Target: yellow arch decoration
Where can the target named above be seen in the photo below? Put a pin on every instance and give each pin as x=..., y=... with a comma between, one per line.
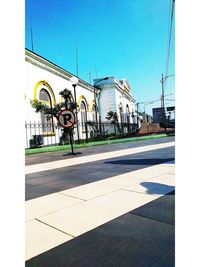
x=48, y=86
x=82, y=98
x=92, y=102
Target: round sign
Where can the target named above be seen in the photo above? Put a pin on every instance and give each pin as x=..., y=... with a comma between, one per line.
x=66, y=118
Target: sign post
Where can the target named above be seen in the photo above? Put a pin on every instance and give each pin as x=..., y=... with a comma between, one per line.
x=67, y=119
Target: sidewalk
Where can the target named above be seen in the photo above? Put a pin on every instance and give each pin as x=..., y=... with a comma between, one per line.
x=141, y=237
x=74, y=215
x=58, y=155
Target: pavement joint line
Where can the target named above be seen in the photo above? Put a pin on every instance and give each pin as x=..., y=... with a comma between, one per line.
x=71, y=196
x=91, y=158
x=162, y=257
x=145, y=192
x=54, y=228
x=146, y=217
x=120, y=188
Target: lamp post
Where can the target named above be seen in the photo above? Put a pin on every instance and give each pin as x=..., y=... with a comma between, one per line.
x=74, y=81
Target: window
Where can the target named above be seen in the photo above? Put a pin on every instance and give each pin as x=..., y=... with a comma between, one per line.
x=93, y=113
x=47, y=122
x=127, y=114
x=83, y=115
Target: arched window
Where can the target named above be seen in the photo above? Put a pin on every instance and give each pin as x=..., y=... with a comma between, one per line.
x=93, y=113
x=127, y=114
x=47, y=121
x=83, y=114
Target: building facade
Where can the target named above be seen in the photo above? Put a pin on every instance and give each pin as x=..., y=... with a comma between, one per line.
x=44, y=81
x=115, y=95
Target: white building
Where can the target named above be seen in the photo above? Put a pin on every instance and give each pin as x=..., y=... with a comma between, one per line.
x=115, y=95
x=44, y=81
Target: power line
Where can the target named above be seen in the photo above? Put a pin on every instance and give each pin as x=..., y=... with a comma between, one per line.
x=169, y=37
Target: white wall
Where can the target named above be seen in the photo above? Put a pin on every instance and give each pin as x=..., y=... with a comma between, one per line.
x=43, y=72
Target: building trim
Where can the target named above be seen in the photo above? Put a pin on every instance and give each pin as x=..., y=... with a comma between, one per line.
x=49, y=88
x=36, y=59
x=82, y=98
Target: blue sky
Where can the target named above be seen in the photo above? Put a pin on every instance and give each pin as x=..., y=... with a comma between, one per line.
x=125, y=39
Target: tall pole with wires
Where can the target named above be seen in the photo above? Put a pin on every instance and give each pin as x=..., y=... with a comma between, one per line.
x=164, y=78
x=31, y=34
x=76, y=60
x=171, y=17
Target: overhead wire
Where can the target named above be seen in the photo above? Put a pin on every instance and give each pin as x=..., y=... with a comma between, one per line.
x=171, y=16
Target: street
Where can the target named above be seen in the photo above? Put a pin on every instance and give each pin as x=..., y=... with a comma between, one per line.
x=111, y=205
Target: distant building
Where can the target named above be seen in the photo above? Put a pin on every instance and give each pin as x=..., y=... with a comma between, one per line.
x=158, y=115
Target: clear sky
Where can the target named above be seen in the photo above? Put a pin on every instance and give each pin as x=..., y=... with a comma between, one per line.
x=125, y=39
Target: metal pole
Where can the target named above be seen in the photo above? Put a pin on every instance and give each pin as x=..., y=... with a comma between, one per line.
x=74, y=85
x=163, y=103
x=95, y=102
x=137, y=116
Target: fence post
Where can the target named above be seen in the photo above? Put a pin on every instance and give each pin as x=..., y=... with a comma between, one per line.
x=115, y=129
x=26, y=135
x=104, y=134
x=86, y=131
x=100, y=128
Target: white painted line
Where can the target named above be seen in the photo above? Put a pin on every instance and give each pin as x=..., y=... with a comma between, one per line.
x=91, y=158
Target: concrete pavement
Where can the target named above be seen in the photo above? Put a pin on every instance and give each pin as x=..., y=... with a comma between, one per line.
x=65, y=215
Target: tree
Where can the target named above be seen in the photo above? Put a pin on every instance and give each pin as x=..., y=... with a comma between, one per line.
x=68, y=103
x=113, y=117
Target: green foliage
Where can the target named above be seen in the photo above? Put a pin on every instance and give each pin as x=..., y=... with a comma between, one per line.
x=68, y=103
x=112, y=116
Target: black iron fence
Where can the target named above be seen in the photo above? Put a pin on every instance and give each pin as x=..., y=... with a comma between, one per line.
x=46, y=134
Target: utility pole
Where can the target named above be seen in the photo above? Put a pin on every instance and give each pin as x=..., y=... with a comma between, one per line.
x=31, y=34
x=163, y=103
x=76, y=60
x=137, y=115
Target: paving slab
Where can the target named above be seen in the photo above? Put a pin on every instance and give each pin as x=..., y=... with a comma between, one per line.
x=162, y=209
x=48, y=204
x=129, y=240
x=88, y=215
x=36, y=233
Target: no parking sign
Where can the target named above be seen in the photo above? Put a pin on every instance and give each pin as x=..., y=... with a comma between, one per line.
x=66, y=118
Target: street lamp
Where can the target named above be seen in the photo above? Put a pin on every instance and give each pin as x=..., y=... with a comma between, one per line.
x=74, y=81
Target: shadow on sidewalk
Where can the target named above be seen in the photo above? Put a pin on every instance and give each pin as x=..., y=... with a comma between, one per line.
x=157, y=188
x=141, y=161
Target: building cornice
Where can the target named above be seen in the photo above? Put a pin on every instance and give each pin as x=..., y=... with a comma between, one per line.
x=47, y=65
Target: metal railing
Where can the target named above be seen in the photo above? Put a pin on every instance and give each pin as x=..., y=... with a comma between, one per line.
x=41, y=134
